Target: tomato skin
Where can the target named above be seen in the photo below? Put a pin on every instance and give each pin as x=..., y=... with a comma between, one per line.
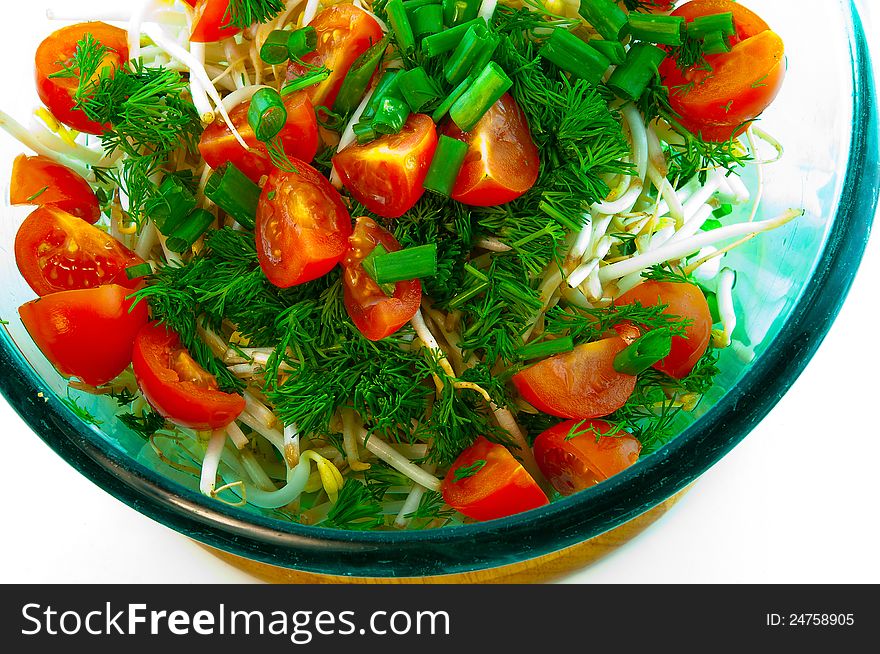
x=86, y=333
x=43, y=253
x=387, y=175
x=502, y=160
x=375, y=314
x=580, y=384
x=57, y=93
x=176, y=386
x=742, y=82
x=210, y=22
x=502, y=487
x=302, y=226
x=687, y=301
x=64, y=189
x=344, y=33
x=571, y=465
x=299, y=137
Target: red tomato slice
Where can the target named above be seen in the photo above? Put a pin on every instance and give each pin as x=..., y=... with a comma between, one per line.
x=58, y=252
x=42, y=182
x=741, y=83
x=591, y=456
x=302, y=226
x=178, y=387
x=580, y=384
x=387, y=175
x=58, y=48
x=299, y=137
x=211, y=22
x=502, y=161
x=344, y=34
x=486, y=482
x=375, y=314
x=687, y=301
x=86, y=333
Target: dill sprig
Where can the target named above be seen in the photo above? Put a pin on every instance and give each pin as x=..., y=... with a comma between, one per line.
x=144, y=425
x=586, y=325
x=355, y=509
x=431, y=507
x=80, y=411
x=244, y=13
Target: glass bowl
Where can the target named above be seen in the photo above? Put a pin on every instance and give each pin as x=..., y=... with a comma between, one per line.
x=792, y=284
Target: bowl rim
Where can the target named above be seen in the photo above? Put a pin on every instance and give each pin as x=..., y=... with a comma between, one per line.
x=519, y=537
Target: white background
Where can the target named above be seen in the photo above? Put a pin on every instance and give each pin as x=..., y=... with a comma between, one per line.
x=796, y=501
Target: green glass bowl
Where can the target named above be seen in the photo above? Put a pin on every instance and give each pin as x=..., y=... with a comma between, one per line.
x=791, y=285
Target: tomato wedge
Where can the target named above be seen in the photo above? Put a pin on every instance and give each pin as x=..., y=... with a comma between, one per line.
x=211, y=22
x=42, y=182
x=302, y=226
x=299, y=137
x=344, y=34
x=86, y=333
x=55, y=251
x=486, y=482
x=58, y=48
x=687, y=301
x=580, y=384
x=375, y=314
x=741, y=84
x=575, y=455
x=502, y=160
x=387, y=175
x=178, y=387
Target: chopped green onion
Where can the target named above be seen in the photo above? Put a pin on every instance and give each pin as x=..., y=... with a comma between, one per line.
x=448, y=157
x=644, y=352
x=710, y=224
x=427, y=20
x=487, y=88
x=466, y=54
x=403, y=32
x=605, y=16
x=391, y=115
x=411, y=263
x=575, y=56
x=447, y=40
x=702, y=26
x=412, y=5
x=196, y=224
x=301, y=42
x=451, y=99
x=613, y=50
x=419, y=90
x=274, y=50
x=358, y=78
x=630, y=79
x=386, y=85
x=456, y=12
x=138, y=271
x=656, y=28
x=267, y=114
x=232, y=191
x=723, y=210
x=545, y=349
x=174, y=203
x=313, y=76
x=364, y=132
x=715, y=43
x=712, y=301
x=369, y=265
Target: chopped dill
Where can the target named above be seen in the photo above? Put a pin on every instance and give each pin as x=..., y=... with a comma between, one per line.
x=244, y=13
x=80, y=411
x=431, y=507
x=144, y=425
x=356, y=509
x=465, y=472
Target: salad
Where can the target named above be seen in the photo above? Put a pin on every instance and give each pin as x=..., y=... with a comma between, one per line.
x=397, y=265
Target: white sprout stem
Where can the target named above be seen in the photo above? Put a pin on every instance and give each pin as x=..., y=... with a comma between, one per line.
x=701, y=197
x=673, y=204
x=171, y=257
x=259, y=410
x=147, y=241
x=492, y=244
x=19, y=132
x=348, y=137
x=580, y=274
x=425, y=335
x=507, y=422
x=309, y=12
x=255, y=471
x=235, y=60
x=693, y=225
x=639, y=134
x=349, y=440
x=759, y=166
x=710, y=266
x=272, y=435
x=110, y=11
x=583, y=239
x=600, y=226
x=392, y=457
x=199, y=95
x=672, y=251
x=487, y=9
x=413, y=499
x=42, y=131
x=211, y=462
x=134, y=28
x=656, y=156
x=236, y=435
x=738, y=189
x=291, y=445
x=743, y=352
x=242, y=95
x=724, y=295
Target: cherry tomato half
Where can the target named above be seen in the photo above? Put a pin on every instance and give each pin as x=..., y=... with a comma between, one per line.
x=55, y=251
x=211, y=22
x=502, y=160
x=344, y=34
x=579, y=384
x=741, y=83
x=375, y=314
x=57, y=49
x=299, y=138
x=387, y=175
x=42, y=182
x=178, y=387
x=302, y=226
x=486, y=482
x=687, y=301
x=575, y=455
x=86, y=333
